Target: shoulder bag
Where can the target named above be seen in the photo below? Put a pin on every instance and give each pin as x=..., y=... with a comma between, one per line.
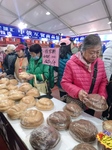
x=41, y=85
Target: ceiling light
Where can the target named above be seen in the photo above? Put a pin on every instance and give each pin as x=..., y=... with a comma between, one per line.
x=48, y=13
x=109, y=22
x=22, y=25
x=70, y=31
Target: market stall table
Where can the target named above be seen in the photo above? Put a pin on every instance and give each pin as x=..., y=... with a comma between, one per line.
x=67, y=142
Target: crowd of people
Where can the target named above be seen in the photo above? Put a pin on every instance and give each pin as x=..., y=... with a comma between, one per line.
x=76, y=69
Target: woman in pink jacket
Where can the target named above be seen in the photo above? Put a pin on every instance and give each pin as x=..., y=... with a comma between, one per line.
x=79, y=72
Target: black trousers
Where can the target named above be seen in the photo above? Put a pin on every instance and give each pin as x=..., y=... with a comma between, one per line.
x=90, y=112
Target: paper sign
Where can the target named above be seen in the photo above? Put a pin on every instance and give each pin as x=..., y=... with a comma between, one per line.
x=50, y=56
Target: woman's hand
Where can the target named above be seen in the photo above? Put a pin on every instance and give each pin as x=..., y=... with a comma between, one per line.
x=31, y=76
x=83, y=96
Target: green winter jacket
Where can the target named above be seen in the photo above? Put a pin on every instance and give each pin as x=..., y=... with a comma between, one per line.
x=37, y=68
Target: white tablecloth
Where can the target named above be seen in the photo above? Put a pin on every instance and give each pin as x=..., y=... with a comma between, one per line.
x=67, y=142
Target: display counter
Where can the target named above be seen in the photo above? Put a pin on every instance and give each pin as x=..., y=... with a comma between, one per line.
x=66, y=143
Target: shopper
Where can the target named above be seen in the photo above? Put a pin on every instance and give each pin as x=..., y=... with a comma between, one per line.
x=65, y=54
x=79, y=70
x=107, y=58
x=36, y=67
x=21, y=63
x=9, y=62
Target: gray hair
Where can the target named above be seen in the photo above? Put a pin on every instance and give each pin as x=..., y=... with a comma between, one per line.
x=90, y=41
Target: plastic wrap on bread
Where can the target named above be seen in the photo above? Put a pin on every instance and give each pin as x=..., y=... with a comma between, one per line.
x=16, y=95
x=59, y=120
x=12, y=87
x=33, y=92
x=29, y=101
x=25, y=87
x=73, y=110
x=107, y=125
x=44, y=104
x=84, y=146
x=83, y=131
x=13, y=82
x=6, y=104
x=96, y=102
x=4, y=81
x=44, y=138
x=23, y=75
x=16, y=111
x=31, y=119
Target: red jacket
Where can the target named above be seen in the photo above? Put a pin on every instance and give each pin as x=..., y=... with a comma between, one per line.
x=77, y=77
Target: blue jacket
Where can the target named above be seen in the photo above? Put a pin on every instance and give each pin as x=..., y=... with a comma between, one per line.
x=62, y=64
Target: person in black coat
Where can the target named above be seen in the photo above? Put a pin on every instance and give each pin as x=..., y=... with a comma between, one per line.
x=9, y=62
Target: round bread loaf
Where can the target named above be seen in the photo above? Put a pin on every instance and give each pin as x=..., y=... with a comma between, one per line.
x=29, y=101
x=13, y=82
x=44, y=138
x=59, y=120
x=83, y=131
x=4, y=81
x=25, y=87
x=107, y=125
x=33, y=92
x=73, y=110
x=96, y=102
x=23, y=75
x=3, y=91
x=12, y=87
x=5, y=104
x=84, y=146
x=3, y=86
x=16, y=111
x=44, y=104
x=3, y=96
x=16, y=95
x=31, y=119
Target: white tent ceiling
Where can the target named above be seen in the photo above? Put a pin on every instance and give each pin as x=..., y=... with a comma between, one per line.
x=70, y=17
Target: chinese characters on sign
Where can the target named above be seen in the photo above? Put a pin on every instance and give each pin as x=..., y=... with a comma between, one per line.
x=50, y=56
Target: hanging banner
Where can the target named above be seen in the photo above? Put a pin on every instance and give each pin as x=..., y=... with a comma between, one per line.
x=50, y=56
x=10, y=31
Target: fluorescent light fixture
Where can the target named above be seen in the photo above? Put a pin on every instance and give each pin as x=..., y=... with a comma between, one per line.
x=48, y=13
x=109, y=22
x=22, y=25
